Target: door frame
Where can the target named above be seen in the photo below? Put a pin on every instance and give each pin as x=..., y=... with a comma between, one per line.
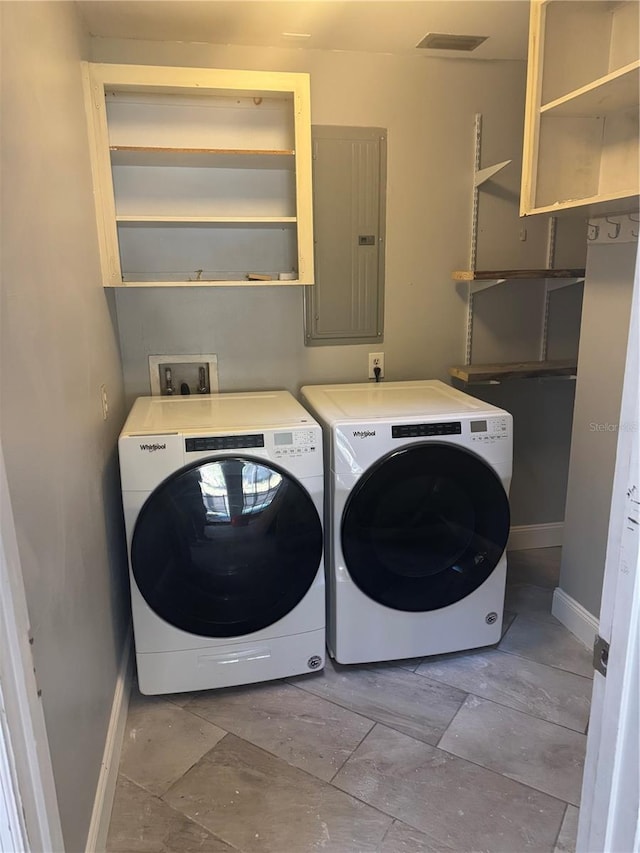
x=609, y=813
x=26, y=777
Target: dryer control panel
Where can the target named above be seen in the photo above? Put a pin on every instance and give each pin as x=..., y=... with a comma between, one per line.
x=297, y=442
x=489, y=430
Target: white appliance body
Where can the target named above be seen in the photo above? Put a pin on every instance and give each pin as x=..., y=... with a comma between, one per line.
x=223, y=501
x=416, y=518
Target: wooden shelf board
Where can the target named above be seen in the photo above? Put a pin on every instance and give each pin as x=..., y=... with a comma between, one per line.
x=492, y=275
x=612, y=93
x=476, y=373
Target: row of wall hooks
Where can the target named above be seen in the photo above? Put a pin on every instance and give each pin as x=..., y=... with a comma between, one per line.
x=613, y=229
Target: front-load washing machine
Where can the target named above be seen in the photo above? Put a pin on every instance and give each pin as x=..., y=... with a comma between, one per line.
x=416, y=518
x=222, y=499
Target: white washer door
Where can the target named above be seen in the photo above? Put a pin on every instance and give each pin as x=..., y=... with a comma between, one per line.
x=226, y=547
x=424, y=527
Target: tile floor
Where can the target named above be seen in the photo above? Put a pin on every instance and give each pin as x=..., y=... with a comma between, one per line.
x=475, y=751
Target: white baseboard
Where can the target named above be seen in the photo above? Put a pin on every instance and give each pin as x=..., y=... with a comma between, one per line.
x=527, y=536
x=573, y=616
x=105, y=792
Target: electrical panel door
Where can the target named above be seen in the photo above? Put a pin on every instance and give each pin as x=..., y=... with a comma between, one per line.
x=346, y=306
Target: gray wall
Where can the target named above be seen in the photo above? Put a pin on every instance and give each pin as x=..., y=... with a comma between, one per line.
x=603, y=346
x=428, y=107
x=58, y=344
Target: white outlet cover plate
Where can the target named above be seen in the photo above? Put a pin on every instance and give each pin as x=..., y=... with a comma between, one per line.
x=204, y=358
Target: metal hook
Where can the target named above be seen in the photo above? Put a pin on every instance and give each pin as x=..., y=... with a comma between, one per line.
x=617, y=227
x=593, y=231
x=634, y=219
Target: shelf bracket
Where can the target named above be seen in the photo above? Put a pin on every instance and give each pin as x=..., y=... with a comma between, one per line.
x=478, y=286
x=483, y=175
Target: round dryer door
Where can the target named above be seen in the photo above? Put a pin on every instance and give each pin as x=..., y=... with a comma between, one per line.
x=226, y=547
x=424, y=527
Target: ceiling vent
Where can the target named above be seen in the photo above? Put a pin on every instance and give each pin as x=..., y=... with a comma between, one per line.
x=450, y=41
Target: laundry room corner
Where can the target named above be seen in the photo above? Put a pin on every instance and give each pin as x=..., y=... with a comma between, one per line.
x=310, y=497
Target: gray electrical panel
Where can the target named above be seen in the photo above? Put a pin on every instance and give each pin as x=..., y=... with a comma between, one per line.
x=346, y=304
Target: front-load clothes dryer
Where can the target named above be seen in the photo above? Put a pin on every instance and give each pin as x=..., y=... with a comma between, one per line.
x=416, y=519
x=223, y=498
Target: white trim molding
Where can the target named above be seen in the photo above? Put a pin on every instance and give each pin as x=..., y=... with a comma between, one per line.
x=105, y=791
x=575, y=617
x=526, y=536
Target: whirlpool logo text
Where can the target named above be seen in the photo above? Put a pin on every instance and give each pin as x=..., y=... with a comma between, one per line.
x=363, y=433
x=152, y=447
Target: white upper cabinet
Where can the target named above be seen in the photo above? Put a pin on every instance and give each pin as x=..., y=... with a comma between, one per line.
x=202, y=176
x=581, y=123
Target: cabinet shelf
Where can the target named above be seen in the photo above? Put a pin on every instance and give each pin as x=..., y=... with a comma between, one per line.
x=203, y=278
x=222, y=158
x=150, y=221
x=202, y=176
x=581, y=140
x=476, y=374
x=615, y=92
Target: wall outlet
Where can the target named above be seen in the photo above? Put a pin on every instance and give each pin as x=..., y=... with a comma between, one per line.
x=170, y=374
x=376, y=359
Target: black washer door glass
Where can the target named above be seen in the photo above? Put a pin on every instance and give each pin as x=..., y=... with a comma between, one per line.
x=226, y=547
x=424, y=527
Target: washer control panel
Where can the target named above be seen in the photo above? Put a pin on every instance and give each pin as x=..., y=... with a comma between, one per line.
x=489, y=430
x=299, y=442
